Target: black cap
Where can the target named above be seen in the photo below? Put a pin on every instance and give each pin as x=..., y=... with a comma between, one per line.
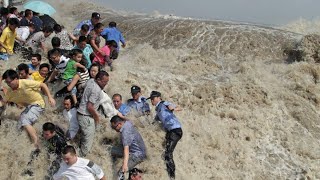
x=154, y=94
x=95, y=15
x=135, y=89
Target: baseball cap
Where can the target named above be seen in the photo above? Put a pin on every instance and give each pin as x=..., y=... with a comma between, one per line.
x=135, y=89
x=154, y=94
x=95, y=15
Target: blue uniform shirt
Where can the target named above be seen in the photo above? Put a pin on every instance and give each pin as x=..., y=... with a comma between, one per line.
x=140, y=106
x=112, y=33
x=124, y=109
x=132, y=138
x=168, y=119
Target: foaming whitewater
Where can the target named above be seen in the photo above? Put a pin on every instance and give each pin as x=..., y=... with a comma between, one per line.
x=247, y=112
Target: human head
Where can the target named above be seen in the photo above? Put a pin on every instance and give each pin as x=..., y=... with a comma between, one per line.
x=155, y=97
x=69, y=155
x=94, y=69
x=49, y=130
x=44, y=69
x=98, y=28
x=55, y=42
x=135, y=92
x=117, y=100
x=57, y=28
x=23, y=70
x=112, y=45
x=135, y=174
x=32, y=28
x=35, y=59
x=55, y=55
x=28, y=14
x=84, y=29
x=13, y=23
x=76, y=55
x=116, y=123
x=82, y=43
x=47, y=30
x=4, y=11
x=13, y=10
x=102, y=79
x=112, y=24
x=11, y=78
x=95, y=18
x=68, y=102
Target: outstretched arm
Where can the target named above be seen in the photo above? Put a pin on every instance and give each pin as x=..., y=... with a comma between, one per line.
x=46, y=91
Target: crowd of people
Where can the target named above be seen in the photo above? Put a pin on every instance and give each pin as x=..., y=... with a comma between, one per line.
x=78, y=60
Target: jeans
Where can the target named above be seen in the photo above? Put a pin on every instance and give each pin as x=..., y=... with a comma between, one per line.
x=172, y=138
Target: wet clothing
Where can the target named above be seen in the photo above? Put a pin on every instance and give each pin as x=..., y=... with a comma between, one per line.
x=23, y=32
x=124, y=109
x=173, y=130
x=113, y=33
x=168, y=119
x=91, y=94
x=71, y=117
x=141, y=106
x=172, y=138
x=37, y=77
x=132, y=138
x=55, y=144
x=88, y=22
x=7, y=38
x=34, y=42
x=83, y=169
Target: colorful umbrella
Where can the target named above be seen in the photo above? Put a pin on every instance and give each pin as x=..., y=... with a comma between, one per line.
x=40, y=7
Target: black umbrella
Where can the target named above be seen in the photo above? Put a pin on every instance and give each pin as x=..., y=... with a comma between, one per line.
x=47, y=20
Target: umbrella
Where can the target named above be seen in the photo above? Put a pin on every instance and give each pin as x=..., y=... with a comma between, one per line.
x=47, y=20
x=40, y=7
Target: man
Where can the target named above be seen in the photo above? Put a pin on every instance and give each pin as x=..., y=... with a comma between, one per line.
x=95, y=19
x=26, y=20
x=35, y=63
x=23, y=71
x=23, y=32
x=113, y=33
x=37, y=41
x=121, y=107
x=88, y=116
x=27, y=93
x=59, y=61
x=74, y=167
x=135, y=174
x=7, y=39
x=56, y=43
x=138, y=102
x=133, y=149
x=171, y=125
x=54, y=142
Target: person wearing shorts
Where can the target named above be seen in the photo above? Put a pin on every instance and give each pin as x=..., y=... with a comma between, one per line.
x=27, y=93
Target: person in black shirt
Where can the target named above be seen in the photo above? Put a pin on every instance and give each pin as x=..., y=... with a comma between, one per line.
x=54, y=142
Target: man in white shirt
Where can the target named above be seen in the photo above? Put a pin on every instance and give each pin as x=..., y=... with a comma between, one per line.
x=23, y=32
x=76, y=168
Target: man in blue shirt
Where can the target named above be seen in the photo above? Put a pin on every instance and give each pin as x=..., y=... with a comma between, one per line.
x=138, y=102
x=133, y=149
x=121, y=107
x=113, y=33
x=95, y=19
x=172, y=126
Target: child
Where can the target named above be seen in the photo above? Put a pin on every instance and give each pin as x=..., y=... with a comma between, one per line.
x=70, y=115
x=42, y=74
x=59, y=61
x=107, y=49
x=71, y=70
x=35, y=63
